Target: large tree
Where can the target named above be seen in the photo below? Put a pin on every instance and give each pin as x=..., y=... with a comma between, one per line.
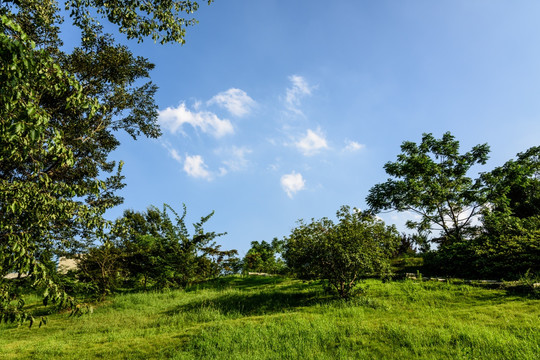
x=508, y=245
x=514, y=188
x=510, y=242
x=33, y=207
x=59, y=113
x=431, y=180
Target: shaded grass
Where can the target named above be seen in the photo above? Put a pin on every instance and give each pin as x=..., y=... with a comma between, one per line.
x=269, y=318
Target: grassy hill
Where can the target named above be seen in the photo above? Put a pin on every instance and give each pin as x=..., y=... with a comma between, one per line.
x=278, y=318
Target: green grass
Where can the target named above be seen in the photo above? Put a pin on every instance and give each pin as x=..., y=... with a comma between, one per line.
x=276, y=318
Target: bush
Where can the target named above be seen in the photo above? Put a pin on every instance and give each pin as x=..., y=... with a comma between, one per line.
x=358, y=245
x=507, y=256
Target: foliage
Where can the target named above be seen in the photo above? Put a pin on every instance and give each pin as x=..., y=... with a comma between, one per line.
x=529, y=283
x=407, y=264
x=58, y=115
x=406, y=246
x=507, y=257
x=160, y=20
x=509, y=244
x=430, y=179
x=264, y=257
x=160, y=249
x=358, y=245
x=35, y=206
x=101, y=268
x=231, y=265
x=514, y=188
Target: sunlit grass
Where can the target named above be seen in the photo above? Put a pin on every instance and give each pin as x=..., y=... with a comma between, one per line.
x=270, y=318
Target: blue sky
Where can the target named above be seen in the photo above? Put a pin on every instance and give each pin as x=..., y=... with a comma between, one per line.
x=279, y=110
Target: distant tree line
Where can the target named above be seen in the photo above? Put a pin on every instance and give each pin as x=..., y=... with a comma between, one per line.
x=264, y=257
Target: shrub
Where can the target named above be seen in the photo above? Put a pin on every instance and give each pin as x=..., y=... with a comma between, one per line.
x=358, y=245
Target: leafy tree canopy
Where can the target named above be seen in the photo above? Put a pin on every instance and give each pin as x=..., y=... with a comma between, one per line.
x=430, y=179
x=36, y=208
x=514, y=188
x=359, y=244
x=159, y=247
x=163, y=21
x=59, y=112
x=264, y=257
x=508, y=243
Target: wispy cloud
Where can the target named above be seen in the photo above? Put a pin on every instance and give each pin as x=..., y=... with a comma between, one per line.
x=235, y=158
x=312, y=142
x=352, y=146
x=299, y=89
x=236, y=101
x=173, y=120
x=175, y=155
x=172, y=151
x=195, y=167
x=292, y=183
x=275, y=165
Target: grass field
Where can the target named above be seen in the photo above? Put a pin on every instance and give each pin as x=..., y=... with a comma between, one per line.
x=277, y=318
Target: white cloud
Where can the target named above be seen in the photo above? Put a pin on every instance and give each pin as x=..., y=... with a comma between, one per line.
x=175, y=155
x=312, y=142
x=173, y=119
x=273, y=167
x=299, y=89
x=236, y=101
x=352, y=146
x=194, y=166
x=236, y=158
x=292, y=183
x=172, y=151
x=222, y=171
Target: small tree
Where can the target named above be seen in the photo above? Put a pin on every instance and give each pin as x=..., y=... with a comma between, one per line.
x=358, y=245
x=102, y=266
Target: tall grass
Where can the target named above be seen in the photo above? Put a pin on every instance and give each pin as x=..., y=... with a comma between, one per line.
x=270, y=318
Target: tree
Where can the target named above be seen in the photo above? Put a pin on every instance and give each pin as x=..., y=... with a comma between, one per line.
x=514, y=188
x=358, y=245
x=138, y=236
x=406, y=246
x=58, y=115
x=101, y=267
x=34, y=207
x=430, y=180
x=160, y=249
x=264, y=257
x=161, y=20
x=508, y=245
